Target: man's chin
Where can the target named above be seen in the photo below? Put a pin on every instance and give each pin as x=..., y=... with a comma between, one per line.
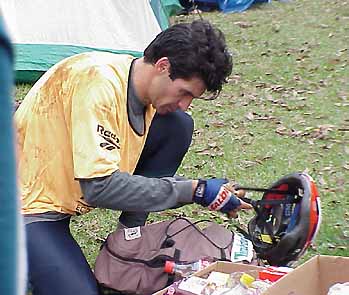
x=162, y=111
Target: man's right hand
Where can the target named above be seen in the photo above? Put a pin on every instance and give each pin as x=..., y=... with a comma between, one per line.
x=219, y=195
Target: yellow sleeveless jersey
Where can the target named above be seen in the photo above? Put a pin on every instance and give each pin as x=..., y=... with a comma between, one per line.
x=73, y=124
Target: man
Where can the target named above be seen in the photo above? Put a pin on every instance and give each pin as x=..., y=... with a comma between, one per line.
x=110, y=131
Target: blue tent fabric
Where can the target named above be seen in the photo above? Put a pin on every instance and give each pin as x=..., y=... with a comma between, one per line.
x=237, y=5
x=228, y=6
x=8, y=197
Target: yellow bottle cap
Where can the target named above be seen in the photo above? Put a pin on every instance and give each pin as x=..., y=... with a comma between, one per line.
x=247, y=280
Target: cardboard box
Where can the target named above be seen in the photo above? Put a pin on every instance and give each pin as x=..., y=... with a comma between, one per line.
x=314, y=277
x=226, y=267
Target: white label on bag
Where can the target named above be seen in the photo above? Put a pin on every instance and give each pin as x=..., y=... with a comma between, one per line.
x=132, y=233
x=242, y=249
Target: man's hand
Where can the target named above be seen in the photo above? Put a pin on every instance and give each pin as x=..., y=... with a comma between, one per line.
x=238, y=193
x=220, y=195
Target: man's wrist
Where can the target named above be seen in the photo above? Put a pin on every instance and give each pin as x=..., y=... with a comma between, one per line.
x=198, y=196
x=194, y=186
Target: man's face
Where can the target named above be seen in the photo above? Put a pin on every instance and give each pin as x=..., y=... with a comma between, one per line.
x=170, y=95
x=177, y=94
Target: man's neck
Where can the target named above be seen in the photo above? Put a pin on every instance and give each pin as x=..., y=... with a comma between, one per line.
x=141, y=77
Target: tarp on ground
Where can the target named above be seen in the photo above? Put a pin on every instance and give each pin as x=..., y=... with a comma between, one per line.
x=44, y=32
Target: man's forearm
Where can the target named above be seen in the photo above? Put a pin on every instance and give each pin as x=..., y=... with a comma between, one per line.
x=122, y=191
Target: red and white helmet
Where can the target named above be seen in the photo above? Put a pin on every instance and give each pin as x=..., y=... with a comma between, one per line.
x=287, y=219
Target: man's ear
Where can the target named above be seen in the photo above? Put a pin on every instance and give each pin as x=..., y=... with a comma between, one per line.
x=162, y=65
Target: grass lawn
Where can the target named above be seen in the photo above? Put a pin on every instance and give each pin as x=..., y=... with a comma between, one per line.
x=285, y=109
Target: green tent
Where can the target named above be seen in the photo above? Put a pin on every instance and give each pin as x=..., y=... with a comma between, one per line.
x=164, y=9
x=42, y=37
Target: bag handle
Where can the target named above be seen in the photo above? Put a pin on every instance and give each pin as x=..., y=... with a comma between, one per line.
x=194, y=225
x=156, y=262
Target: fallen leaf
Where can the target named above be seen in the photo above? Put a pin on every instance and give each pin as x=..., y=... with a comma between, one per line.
x=249, y=116
x=243, y=24
x=281, y=130
x=327, y=146
x=321, y=181
x=331, y=246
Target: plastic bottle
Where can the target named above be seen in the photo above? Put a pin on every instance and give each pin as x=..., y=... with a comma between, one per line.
x=185, y=269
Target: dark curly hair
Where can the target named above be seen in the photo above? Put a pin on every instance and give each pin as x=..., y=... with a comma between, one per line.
x=196, y=49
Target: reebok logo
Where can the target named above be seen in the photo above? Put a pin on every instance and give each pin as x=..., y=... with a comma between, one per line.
x=221, y=199
x=111, y=141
